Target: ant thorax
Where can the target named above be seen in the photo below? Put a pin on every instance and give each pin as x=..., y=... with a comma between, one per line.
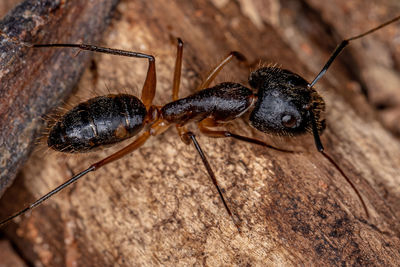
x=223, y=102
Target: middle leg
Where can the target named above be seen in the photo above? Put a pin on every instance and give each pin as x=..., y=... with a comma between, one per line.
x=208, y=123
x=182, y=131
x=214, y=72
x=188, y=137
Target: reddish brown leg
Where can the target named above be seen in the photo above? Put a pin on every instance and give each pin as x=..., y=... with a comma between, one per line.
x=136, y=144
x=124, y=151
x=157, y=128
x=149, y=87
x=206, y=124
x=182, y=131
x=177, y=72
x=214, y=72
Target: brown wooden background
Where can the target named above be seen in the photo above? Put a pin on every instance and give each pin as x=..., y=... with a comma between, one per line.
x=157, y=206
x=34, y=81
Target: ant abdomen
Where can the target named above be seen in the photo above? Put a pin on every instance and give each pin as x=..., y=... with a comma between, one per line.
x=285, y=102
x=223, y=102
x=100, y=121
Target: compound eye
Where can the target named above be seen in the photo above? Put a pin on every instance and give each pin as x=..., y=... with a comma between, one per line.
x=289, y=121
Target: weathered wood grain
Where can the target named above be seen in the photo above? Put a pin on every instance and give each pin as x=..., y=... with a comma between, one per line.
x=33, y=81
x=158, y=207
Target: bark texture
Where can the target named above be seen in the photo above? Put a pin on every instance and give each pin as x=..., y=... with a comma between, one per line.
x=33, y=81
x=157, y=205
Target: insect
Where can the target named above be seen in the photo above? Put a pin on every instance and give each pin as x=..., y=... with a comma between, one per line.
x=279, y=102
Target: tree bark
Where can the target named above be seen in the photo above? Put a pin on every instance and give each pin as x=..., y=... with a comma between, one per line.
x=34, y=81
x=157, y=205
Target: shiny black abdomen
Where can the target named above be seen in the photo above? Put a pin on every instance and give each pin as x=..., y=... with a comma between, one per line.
x=222, y=102
x=102, y=120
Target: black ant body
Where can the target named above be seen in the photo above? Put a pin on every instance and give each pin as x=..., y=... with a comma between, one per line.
x=279, y=101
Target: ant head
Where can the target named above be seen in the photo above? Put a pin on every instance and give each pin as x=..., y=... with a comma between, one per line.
x=284, y=103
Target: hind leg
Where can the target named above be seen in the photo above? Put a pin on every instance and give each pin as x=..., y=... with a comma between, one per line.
x=149, y=87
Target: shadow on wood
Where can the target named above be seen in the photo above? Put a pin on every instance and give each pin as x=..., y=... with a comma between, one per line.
x=158, y=207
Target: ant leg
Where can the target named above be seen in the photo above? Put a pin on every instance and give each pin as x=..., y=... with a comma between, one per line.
x=177, y=73
x=157, y=128
x=186, y=137
x=343, y=44
x=214, y=72
x=182, y=131
x=205, y=125
x=133, y=146
x=149, y=87
x=320, y=148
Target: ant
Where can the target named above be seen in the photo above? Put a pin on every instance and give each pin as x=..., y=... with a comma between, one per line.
x=278, y=102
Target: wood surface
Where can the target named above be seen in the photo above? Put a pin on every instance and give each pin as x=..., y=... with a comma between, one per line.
x=158, y=207
x=34, y=81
